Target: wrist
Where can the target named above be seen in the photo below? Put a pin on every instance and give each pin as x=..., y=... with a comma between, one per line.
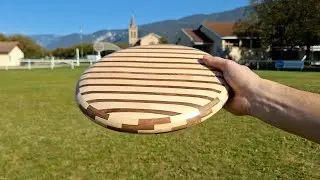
x=256, y=95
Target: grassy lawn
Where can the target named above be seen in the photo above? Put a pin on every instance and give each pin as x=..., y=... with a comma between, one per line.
x=43, y=135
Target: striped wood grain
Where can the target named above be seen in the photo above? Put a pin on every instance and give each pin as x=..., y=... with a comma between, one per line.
x=151, y=89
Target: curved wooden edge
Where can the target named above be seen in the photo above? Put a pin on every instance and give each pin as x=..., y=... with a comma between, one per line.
x=147, y=126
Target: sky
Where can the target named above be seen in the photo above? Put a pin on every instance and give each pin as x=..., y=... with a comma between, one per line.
x=62, y=17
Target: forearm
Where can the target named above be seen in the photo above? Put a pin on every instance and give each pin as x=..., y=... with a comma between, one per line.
x=289, y=109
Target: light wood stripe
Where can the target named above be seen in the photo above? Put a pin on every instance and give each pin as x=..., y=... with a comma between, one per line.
x=146, y=101
x=162, y=50
x=172, y=72
x=152, y=111
x=149, y=93
x=141, y=76
x=151, y=73
x=149, y=79
x=157, y=86
x=148, y=59
x=127, y=89
x=152, y=67
x=130, y=117
x=145, y=97
x=216, y=86
x=118, y=119
x=169, y=56
x=176, y=47
x=167, y=107
x=154, y=52
x=106, y=61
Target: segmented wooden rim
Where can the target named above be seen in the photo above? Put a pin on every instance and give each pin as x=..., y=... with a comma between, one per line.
x=151, y=89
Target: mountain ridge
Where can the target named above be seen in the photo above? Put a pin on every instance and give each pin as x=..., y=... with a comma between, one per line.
x=167, y=28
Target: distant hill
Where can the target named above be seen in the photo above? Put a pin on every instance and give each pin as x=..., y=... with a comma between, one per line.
x=168, y=28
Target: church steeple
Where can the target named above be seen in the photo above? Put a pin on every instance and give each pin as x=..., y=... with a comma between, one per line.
x=132, y=23
x=133, y=32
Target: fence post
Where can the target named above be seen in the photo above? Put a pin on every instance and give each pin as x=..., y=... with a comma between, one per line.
x=78, y=57
x=52, y=62
x=90, y=62
x=72, y=65
x=6, y=68
x=29, y=64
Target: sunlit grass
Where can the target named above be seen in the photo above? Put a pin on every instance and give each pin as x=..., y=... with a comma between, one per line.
x=43, y=135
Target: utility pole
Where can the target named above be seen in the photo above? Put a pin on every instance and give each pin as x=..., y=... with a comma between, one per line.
x=81, y=39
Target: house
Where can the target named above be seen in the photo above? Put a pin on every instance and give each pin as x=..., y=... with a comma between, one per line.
x=149, y=39
x=134, y=39
x=218, y=39
x=10, y=54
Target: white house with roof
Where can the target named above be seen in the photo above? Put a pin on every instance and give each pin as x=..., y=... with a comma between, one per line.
x=218, y=39
x=10, y=54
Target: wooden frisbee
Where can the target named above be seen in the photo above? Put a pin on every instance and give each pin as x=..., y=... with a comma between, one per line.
x=151, y=89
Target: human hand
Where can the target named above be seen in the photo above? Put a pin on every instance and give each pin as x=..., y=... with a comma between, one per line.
x=241, y=79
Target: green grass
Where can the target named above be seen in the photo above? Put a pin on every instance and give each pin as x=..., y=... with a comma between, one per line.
x=43, y=135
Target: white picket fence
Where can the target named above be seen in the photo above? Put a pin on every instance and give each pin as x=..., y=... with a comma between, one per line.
x=30, y=64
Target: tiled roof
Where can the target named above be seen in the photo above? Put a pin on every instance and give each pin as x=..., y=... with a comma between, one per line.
x=6, y=47
x=221, y=28
x=197, y=36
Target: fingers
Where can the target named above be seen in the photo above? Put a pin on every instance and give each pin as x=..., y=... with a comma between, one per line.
x=215, y=62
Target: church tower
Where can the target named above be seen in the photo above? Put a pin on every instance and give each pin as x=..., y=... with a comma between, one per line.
x=133, y=32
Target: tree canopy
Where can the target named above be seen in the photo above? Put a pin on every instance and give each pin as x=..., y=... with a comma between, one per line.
x=85, y=49
x=30, y=48
x=287, y=23
x=163, y=40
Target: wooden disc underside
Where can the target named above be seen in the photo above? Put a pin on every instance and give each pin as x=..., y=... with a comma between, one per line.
x=151, y=89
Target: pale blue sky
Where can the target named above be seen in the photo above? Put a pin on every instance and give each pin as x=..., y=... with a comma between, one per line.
x=65, y=16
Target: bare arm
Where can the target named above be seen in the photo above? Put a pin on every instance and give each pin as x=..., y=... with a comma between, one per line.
x=289, y=109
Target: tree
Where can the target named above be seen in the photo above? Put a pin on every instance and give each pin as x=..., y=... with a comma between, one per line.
x=70, y=52
x=3, y=37
x=27, y=45
x=122, y=45
x=287, y=23
x=163, y=40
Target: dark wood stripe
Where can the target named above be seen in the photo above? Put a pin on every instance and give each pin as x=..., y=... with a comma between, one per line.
x=93, y=112
x=144, y=67
x=162, y=57
x=154, y=111
x=159, y=86
x=151, y=79
x=151, y=62
x=148, y=93
x=156, y=121
x=135, y=128
x=146, y=101
x=146, y=124
x=152, y=73
x=207, y=109
x=126, y=52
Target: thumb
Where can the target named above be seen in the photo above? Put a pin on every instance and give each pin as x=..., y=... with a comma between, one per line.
x=215, y=62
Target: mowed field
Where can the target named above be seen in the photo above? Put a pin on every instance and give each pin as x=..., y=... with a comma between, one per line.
x=43, y=135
